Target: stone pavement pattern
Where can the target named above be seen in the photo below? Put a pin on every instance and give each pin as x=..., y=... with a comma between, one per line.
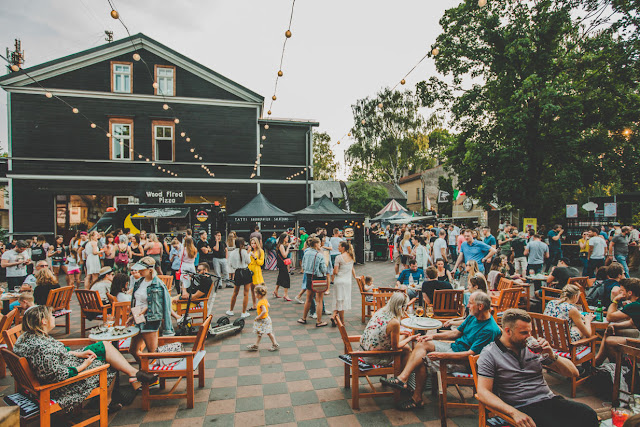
x=300, y=385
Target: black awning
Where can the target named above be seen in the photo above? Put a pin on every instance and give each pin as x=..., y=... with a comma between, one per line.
x=168, y=212
x=324, y=209
x=260, y=209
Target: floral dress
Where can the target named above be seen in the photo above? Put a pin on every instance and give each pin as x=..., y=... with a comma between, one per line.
x=561, y=311
x=375, y=337
x=51, y=362
x=263, y=326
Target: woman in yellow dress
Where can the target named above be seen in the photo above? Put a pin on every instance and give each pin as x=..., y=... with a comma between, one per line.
x=256, y=255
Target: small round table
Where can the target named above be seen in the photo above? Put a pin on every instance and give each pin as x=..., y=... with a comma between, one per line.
x=422, y=324
x=106, y=336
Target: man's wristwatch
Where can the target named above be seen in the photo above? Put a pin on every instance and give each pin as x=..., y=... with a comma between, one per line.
x=550, y=360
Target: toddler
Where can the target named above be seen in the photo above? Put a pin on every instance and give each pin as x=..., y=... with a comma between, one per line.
x=262, y=323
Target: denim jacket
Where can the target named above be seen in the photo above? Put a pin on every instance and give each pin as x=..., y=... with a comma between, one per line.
x=313, y=263
x=158, y=303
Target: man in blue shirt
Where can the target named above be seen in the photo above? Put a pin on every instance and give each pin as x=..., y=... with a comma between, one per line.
x=488, y=237
x=414, y=273
x=478, y=330
x=473, y=250
x=555, y=246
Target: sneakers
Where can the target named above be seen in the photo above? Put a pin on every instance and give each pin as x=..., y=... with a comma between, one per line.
x=299, y=301
x=314, y=316
x=328, y=313
x=243, y=315
x=229, y=313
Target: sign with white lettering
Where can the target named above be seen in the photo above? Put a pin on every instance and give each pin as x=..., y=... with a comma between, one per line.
x=162, y=196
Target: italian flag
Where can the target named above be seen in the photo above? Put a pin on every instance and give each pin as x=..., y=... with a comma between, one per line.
x=458, y=193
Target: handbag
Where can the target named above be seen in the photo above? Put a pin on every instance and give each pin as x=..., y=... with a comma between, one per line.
x=318, y=284
x=179, y=271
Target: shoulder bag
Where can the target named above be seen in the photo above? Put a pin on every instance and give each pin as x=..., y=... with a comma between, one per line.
x=318, y=284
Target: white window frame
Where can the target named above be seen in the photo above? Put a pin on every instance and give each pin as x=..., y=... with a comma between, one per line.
x=120, y=75
x=166, y=83
x=116, y=140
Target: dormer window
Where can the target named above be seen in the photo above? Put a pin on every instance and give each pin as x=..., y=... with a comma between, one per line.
x=121, y=77
x=166, y=79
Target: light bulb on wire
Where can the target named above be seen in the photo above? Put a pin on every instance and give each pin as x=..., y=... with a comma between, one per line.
x=48, y=95
x=115, y=14
x=136, y=57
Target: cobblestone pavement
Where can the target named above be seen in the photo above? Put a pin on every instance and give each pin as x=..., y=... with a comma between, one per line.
x=301, y=384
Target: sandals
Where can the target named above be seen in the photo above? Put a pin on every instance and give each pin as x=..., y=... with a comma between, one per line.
x=144, y=377
x=276, y=295
x=274, y=347
x=302, y=321
x=394, y=382
x=321, y=325
x=286, y=298
x=252, y=347
x=333, y=322
x=410, y=405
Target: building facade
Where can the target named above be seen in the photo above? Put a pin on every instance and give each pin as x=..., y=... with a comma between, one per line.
x=422, y=186
x=148, y=119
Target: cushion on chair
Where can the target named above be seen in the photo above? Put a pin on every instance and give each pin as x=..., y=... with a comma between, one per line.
x=497, y=422
x=61, y=313
x=580, y=352
x=362, y=365
x=124, y=344
x=180, y=364
x=461, y=375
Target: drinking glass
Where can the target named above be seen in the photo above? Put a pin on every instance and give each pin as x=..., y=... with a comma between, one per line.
x=111, y=320
x=419, y=311
x=429, y=311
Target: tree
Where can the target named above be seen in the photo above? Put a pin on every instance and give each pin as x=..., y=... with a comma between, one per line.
x=367, y=198
x=389, y=141
x=324, y=161
x=544, y=96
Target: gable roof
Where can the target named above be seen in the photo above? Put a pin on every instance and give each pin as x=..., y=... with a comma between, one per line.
x=324, y=209
x=260, y=209
x=409, y=178
x=332, y=188
x=123, y=46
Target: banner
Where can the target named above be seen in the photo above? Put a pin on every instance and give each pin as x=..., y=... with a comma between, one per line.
x=443, y=196
x=610, y=209
x=528, y=223
x=572, y=211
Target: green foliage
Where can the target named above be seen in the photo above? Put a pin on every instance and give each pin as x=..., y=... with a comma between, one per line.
x=324, y=161
x=545, y=98
x=389, y=141
x=446, y=184
x=367, y=198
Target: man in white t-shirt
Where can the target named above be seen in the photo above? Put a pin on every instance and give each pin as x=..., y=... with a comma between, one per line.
x=440, y=247
x=452, y=241
x=597, y=251
x=334, y=242
x=16, y=261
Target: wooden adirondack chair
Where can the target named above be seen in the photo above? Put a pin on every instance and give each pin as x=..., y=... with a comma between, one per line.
x=60, y=302
x=448, y=303
x=90, y=305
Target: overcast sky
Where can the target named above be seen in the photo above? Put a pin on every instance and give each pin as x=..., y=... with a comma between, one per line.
x=341, y=50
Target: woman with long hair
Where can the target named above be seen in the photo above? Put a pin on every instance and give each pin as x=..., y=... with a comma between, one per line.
x=240, y=262
x=470, y=270
x=93, y=259
x=52, y=362
x=137, y=248
x=151, y=300
x=256, y=254
x=444, y=275
x=119, y=288
x=58, y=253
x=342, y=271
x=282, y=253
x=187, y=261
x=153, y=248
x=45, y=282
x=494, y=272
x=314, y=268
x=122, y=255
x=477, y=282
x=565, y=308
x=405, y=247
x=109, y=250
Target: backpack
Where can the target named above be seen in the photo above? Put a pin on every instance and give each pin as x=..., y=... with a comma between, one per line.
x=38, y=253
x=270, y=244
x=121, y=258
x=595, y=292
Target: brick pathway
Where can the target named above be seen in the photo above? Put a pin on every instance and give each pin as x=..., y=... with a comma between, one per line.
x=299, y=385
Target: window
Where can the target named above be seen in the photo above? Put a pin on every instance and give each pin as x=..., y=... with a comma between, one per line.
x=418, y=194
x=121, y=141
x=121, y=73
x=165, y=76
x=163, y=140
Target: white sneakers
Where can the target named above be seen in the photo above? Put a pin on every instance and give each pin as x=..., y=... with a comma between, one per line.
x=243, y=315
x=229, y=313
x=299, y=301
x=314, y=316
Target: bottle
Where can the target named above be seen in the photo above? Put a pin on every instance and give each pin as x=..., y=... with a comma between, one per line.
x=599, y=311
x=410, y=279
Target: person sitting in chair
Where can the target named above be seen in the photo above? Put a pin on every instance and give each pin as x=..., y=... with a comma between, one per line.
x=411, y=274
x=510, y=379
x=199, y=290
x=478, y=330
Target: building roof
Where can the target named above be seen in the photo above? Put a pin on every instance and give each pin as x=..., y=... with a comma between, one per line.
x=119, y=47
x=324, y=209
x=260, y=209
x=333, y=189
x=302, y=122
x=409, y=178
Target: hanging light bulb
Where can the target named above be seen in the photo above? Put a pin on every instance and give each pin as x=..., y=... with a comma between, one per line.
x=195, y=156
x=482, y=3
x=192, y=150
x=75, y=110
x=153, y=164
x=269, y=112
x=108, y=135
x=199, y=157
x=155, y=85
x=93, y=125
x=115, y=14
x=264, y=137
x=403, y=81
x=165, y=106
x=363, y=121
x=188, y=139
x=287, y=34
x=266, y=127
x=14, y=67
x=136, y=56
x=261, y=146
x=273, y=97
x=338, y=142
x=280, y=73
x=435, y=51
x=176, y=121
x=349, y=134
x=139, y=156
x=48, y=95
x=182, y=134
x=146, y=160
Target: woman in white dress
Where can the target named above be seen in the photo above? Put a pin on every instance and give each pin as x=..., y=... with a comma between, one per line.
x=343, y=271
x=93, y=259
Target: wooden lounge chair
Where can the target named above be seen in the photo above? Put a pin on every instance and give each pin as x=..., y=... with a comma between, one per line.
x=91, y=306
x=5, y=323
x=60, y=300
x=353, y=371
x=368, y=303
x=447, y=379
x=448, y=303
x=167, y=280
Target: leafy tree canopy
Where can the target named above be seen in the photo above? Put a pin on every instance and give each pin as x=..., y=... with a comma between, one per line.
x=324, y=161
x=544, y=95
x=367, y=198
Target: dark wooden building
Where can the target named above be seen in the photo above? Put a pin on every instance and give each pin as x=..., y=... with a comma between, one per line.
x=63, y=172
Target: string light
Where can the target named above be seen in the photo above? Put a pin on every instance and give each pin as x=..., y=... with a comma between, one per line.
x=176, y=121
x=165, y=106
x=182, y=134
x=75, y=110
x=93, y=125
x=280, y=73
x=136, y=56
x=14, y=67
x=273, y=97
x=188, y=139
x=155, y=85
x=266, y=127
x=435, y=51
x=192, y=150
x=264, y=137
x=115, y=14
x=48, y=95
x=403, y=81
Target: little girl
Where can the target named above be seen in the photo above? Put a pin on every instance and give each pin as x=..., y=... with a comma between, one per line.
x=262, y=322
x=73, y=269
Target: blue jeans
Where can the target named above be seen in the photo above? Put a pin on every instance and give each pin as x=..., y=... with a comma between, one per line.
x=453, y=250
x=622, y=259
x=585, y=263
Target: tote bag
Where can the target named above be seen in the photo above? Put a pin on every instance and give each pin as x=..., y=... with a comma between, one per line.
x=318, y=284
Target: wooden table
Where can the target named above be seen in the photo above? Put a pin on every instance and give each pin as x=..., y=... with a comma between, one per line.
x=428, y=325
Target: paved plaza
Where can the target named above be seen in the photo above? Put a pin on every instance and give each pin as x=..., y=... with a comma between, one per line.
x=301, y=385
